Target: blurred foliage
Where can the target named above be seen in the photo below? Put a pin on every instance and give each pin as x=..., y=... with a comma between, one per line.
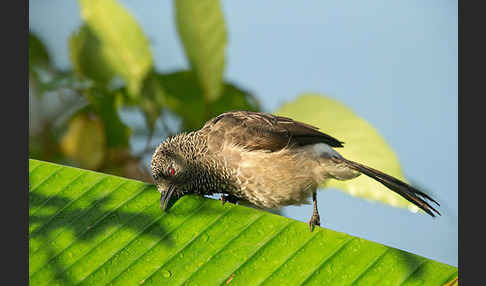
x=74, y=145
x=201, y=27
x=38, y=56
x=123, y=46
x=75, y=114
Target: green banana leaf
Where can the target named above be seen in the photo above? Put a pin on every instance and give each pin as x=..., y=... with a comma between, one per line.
x=89, y=228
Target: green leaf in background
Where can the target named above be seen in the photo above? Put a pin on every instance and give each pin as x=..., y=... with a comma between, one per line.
x=152, y=100
x=105, y=104
x=121, y=39
x=202, y=31
x=89, y=228
x=40, y=69
x=178, y=88
x=89, y=56
x=38, y=56
x=363, y=144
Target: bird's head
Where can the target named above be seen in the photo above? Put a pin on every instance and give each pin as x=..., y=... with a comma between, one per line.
x=169, y=172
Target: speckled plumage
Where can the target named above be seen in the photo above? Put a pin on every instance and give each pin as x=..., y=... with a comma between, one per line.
x=269, y=161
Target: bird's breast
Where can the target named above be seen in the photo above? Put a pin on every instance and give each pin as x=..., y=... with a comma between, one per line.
x=269, y=179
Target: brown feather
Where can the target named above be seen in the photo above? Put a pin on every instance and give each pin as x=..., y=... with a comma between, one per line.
x=408, y=192
x=263, y=131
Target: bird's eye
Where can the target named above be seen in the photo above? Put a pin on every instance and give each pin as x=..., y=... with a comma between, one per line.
x=171, y=171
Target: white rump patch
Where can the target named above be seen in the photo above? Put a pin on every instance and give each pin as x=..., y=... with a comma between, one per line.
x=322, y=149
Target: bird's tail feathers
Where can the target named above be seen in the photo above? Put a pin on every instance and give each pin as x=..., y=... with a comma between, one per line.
x=408, y=192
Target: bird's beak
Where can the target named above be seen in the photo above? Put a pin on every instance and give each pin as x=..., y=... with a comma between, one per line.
x=165, y=197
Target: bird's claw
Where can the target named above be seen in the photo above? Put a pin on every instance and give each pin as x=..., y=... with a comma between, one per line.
x=228, y=198
x=315, y=220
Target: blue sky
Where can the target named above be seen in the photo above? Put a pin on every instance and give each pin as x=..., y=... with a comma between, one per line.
x=395, y=63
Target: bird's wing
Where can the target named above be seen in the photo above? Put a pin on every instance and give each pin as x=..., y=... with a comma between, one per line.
x=263, y=131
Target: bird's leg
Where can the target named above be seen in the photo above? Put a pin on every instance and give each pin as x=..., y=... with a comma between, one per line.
x=228, y=198
x=315, y=219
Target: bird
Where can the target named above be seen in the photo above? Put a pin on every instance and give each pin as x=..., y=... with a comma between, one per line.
x=266, y=160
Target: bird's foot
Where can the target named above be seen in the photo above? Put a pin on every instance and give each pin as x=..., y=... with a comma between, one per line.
x=315, y=220
x=228, y=198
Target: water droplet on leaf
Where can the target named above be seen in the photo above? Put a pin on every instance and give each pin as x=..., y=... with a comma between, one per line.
x=166, y=273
